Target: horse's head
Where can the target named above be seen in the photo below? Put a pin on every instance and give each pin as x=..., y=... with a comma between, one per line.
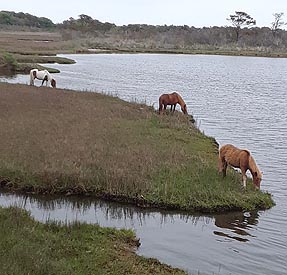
x=184, y=109
x=53, y=83
x=257, y=177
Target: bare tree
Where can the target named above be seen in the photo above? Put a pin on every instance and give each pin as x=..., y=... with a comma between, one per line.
x=241, y=19
x=277, y=23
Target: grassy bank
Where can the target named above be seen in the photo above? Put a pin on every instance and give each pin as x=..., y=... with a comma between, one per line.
x=202, y=51
x=30, y=247
x=65, y=142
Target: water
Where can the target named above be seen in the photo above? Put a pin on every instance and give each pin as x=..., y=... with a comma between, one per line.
x=239, y=100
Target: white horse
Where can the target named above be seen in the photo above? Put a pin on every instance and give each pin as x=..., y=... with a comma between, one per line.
x=42, y=75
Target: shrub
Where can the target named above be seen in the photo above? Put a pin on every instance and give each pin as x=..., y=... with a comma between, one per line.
x=10, y=61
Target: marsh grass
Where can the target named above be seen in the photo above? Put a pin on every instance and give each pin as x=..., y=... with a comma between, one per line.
x=28, y=49
x=57, y=141
x=30, y=247
x=34, y=47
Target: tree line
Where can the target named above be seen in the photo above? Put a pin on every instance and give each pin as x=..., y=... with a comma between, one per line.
x=242, y=32
x=10, y=18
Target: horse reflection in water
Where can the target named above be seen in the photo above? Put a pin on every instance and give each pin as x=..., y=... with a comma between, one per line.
x=238, y=223
x=43, y=75
x=171, y=99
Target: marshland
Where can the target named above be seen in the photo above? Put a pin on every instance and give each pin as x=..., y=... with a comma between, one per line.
x=96, y=145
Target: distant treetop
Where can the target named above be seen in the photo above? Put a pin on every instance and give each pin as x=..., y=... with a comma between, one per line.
x=24, y=19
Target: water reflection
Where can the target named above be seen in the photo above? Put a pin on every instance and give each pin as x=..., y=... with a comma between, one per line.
x=171, y=237
x=238, y=225
x=84, y=205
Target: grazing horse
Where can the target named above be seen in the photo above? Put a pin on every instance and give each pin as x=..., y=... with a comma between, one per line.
x=171, y=99
x=238, y=158
x=42, y=75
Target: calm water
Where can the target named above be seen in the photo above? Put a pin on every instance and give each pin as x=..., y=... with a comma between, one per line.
x=240, y=100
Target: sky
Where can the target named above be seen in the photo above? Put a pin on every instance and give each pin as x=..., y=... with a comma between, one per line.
x=197, y=13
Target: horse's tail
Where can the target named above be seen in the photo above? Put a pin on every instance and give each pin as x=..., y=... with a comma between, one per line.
x=221, y=160
x=53, y=83
x=182, y=104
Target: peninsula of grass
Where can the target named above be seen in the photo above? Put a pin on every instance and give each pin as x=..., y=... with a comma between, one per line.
x=57, y=141
x=30, y=247
x=19, y=63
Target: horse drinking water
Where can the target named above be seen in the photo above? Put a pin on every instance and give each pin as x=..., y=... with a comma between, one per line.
x=239, y=158
x=43, y=75
x=171, y=99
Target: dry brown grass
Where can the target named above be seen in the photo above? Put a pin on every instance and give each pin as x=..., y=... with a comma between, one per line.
x=33, y=42
x=54, y=132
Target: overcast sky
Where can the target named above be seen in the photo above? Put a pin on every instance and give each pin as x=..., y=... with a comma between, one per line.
x=198, y=13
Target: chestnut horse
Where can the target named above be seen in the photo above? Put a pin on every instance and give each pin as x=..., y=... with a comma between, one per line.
x=171, y=99
x=238, y=158
x=42, y=75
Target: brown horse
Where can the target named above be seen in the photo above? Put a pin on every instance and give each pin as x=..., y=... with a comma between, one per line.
x=171, y=99
x=238, y=158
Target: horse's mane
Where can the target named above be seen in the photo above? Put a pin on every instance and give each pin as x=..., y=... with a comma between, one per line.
x=180, y=100
x=253, y=166
x=245, y=150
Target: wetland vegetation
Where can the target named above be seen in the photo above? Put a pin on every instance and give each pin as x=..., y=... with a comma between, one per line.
x=33, y=40
x=55, y=248
x=71, y=143
x=66, y=142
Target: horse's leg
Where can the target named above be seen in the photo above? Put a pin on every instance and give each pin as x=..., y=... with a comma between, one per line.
x=33, y=75
x=31, y=79
x=45, y=79
x=174, y=107
x=224, y=169
x=244, y=177
x=160, y=108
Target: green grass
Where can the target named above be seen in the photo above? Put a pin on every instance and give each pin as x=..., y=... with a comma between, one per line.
x=30, y=247
x=65, y=142
x=24, y=63
x=42, y=59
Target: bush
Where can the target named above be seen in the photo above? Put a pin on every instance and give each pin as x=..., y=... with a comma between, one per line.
x=10, y=61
